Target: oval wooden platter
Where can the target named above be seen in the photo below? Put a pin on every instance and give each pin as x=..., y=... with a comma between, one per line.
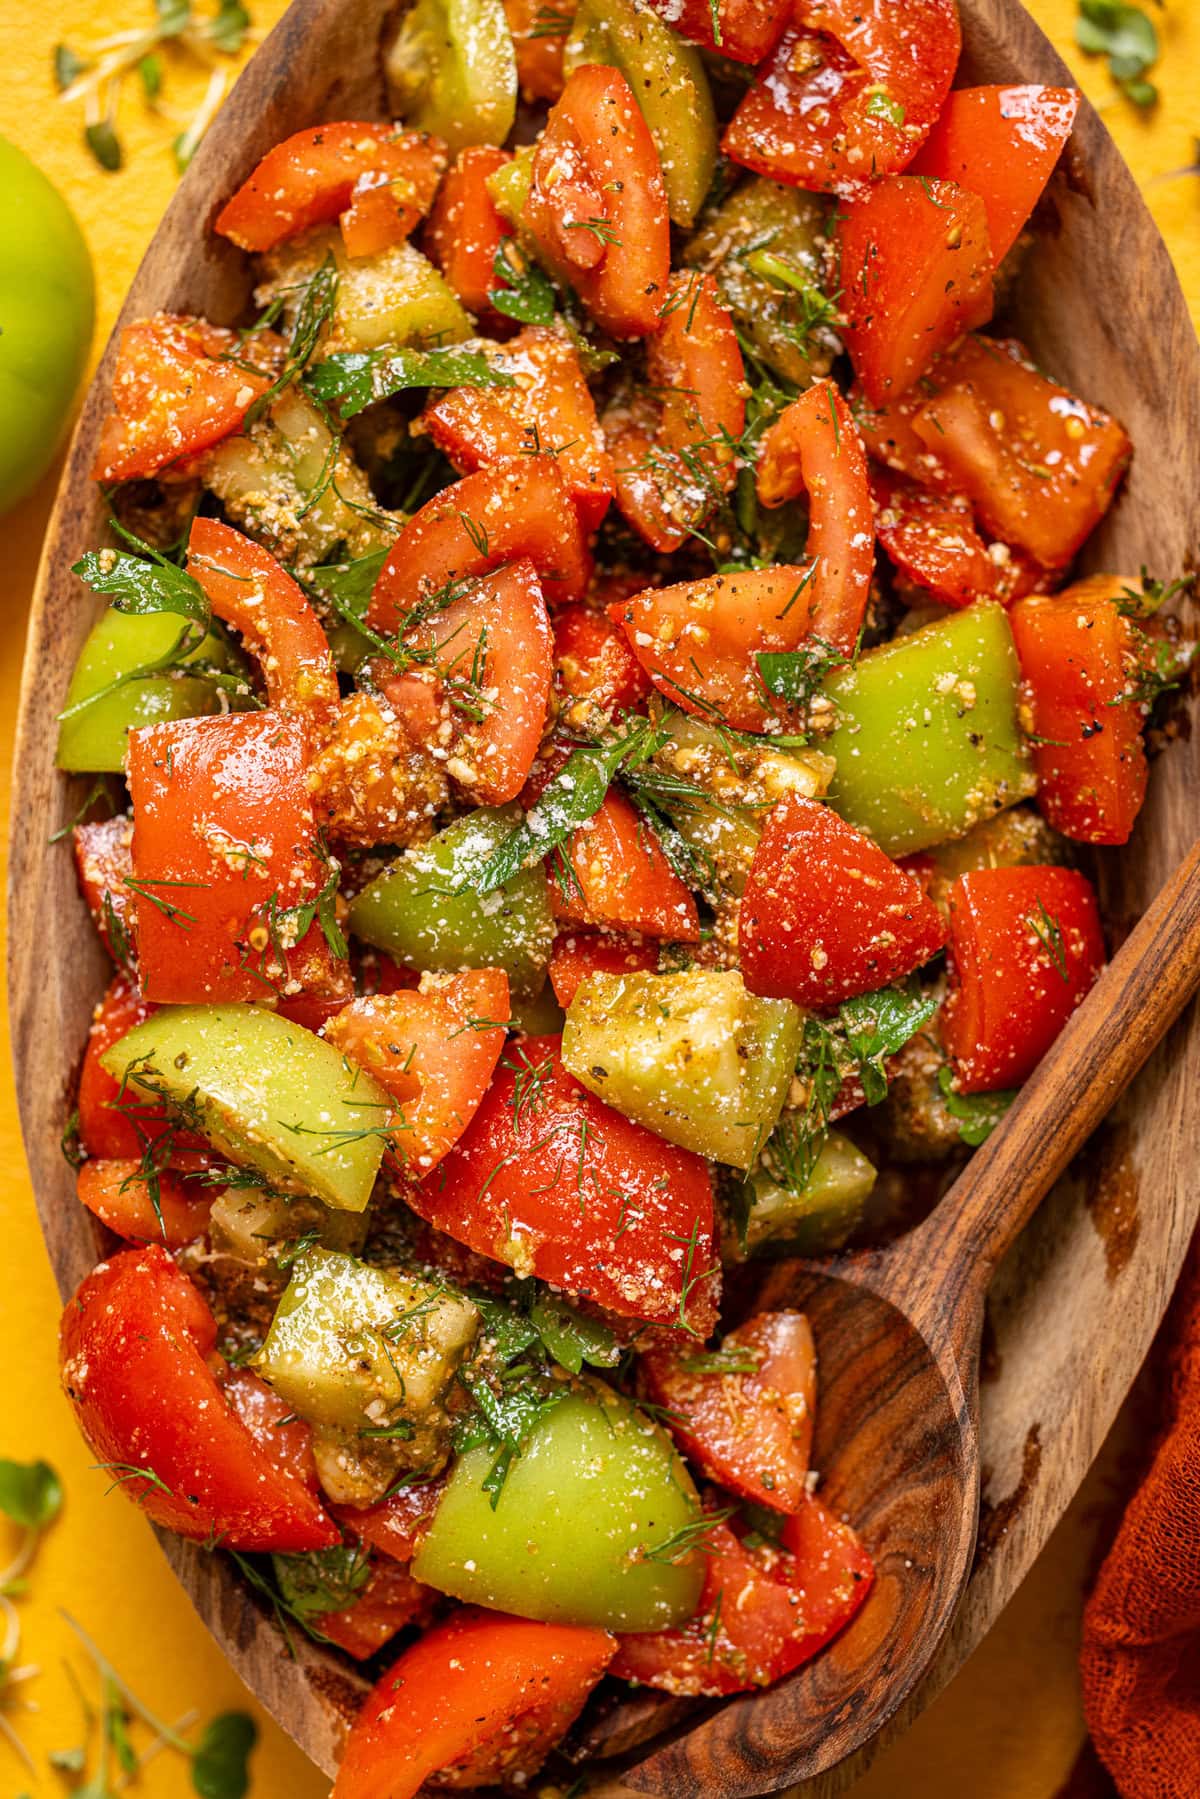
x=1077, y=1302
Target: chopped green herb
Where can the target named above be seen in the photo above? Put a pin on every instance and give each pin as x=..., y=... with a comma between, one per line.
x=354, y=379
x=976, y=1114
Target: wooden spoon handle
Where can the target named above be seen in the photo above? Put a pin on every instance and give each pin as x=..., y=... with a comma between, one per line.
x=1134, y=1003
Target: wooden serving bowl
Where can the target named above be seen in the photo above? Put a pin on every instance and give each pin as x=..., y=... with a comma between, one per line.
x=1077, y=1301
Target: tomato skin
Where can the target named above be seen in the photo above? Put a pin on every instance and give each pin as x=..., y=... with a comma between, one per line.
x=815, y=447
x=396, y=1524
x=825, y=914
x=698, y=641
x=519, y=511
x=539, y=55
x=749, y=29
x=431, y=1053
x=916, y=272
x=120, y=1198
x=550, y=409
x=812, y=117
x=594, y=665
x=620, y=878
x=482, y=1689
x=390, y=1601
x=691, y=408
x=749, y=1430
x=134, y=1343
x=1016, y=975
x=173, y=395
x=1039, y=466
x=497, y=637
x=315, y=175
x=1002, y=143
x=510, y=1189
x=762, y=1613
x=596, y=165
x=248, y=589
x=223, y=820
x=282, y=1436
x=1077, y=656
x=578, y=954
x=465, y=230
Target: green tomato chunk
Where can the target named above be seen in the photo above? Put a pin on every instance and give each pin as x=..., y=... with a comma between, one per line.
x=804, y=1221
x=422, y=911
x=395, y=297
x=927, y=741
x=47, y=305
x=91, y=740
x=692, y=1056
x=668, y=81
x=266, y=1093
x=354, y=1347
x=765, y=247
x=452, y=70
x=585, y=1530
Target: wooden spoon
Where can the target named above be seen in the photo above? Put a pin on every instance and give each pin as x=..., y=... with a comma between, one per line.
x=898, y=1337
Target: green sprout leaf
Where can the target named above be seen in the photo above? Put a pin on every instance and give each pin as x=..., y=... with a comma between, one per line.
x=30, y=1493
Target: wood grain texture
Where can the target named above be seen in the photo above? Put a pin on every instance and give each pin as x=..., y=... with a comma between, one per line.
x=1101, y=308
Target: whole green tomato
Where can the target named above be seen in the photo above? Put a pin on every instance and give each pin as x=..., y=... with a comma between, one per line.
x=46, y=315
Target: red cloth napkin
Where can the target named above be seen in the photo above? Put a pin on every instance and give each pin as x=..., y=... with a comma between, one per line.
x=1140, y=1658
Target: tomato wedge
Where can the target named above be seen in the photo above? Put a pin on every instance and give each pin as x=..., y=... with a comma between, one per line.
x=483, y=1696
x=248, y=589
x=674, y=440
x=1002, y=143
x=744, y=1413
x=825, y=914
x=742, y=30
x=617, y=875
x=396, y=1524
x=465, y=230
x=577, y=954
x=550, y=410
x=699, y=641
x=539, y=49
x=763, y=1611
x=120, y=1195
x=390, y=1602
x=597, y=206
x=1078, y=657
x=329, y=170
x=1039, y=466
x=1026, y=947
x=915, y=273
x=516, y=511
x=595, y=669
x=434, y=1052
x=815, y=447
x=224, y=847
x=553, y=1182
x=176, y=391
x=933, y=540
x=850, y=93
x=134, y=1346
x=282, y=1436
x=484, y=691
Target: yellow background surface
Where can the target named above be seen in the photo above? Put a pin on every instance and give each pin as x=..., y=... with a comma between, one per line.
x=1009, y=1727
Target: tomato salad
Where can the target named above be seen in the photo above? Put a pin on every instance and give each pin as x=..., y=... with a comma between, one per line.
x=608, y=734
